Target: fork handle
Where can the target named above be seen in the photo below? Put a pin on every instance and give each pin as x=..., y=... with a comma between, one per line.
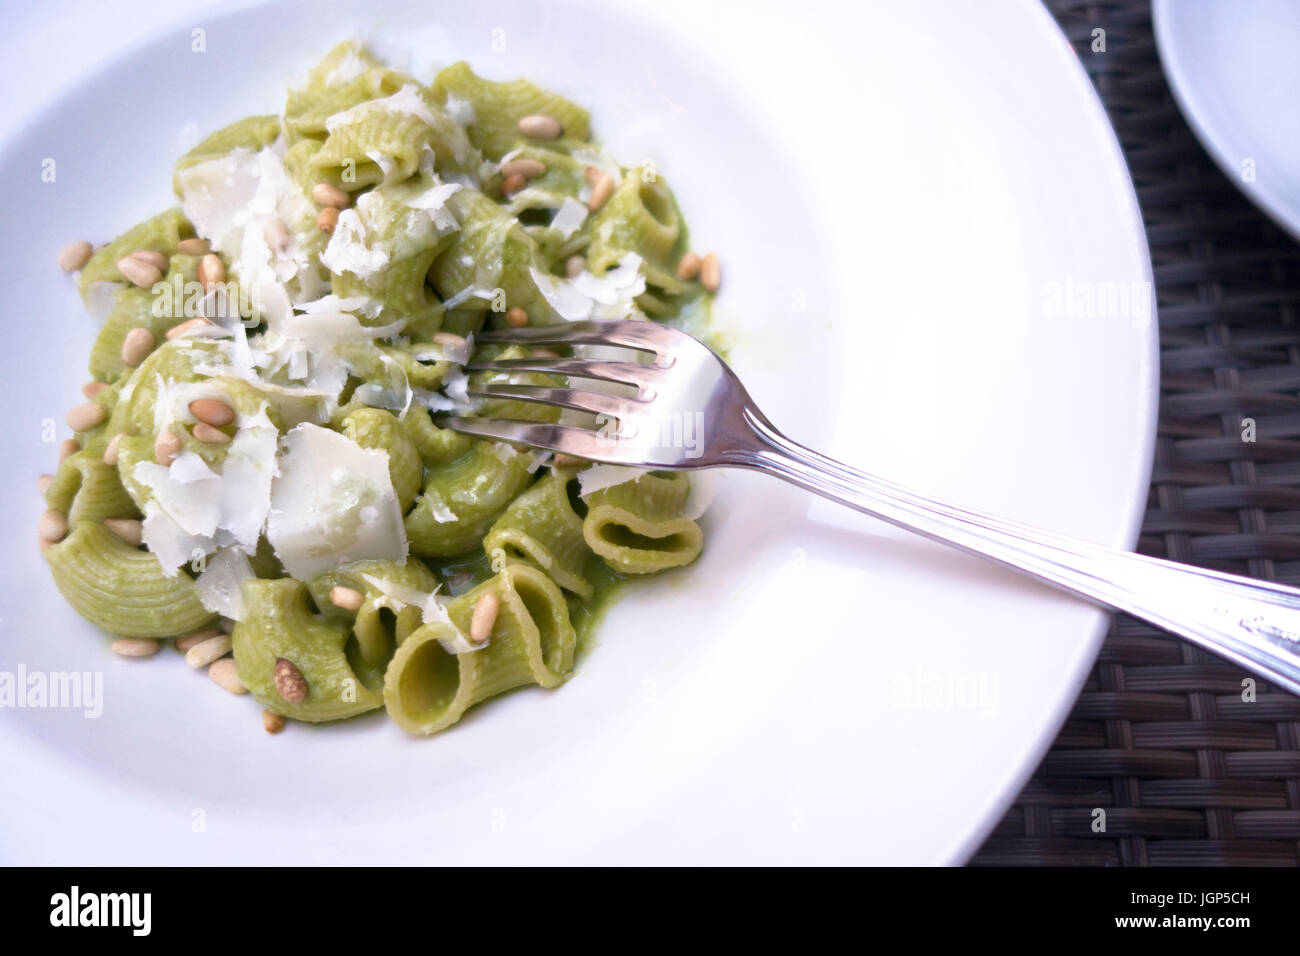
x=1253, y=623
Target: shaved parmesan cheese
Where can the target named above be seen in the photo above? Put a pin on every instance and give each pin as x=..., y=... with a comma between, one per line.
x=347, y=250
x=220, y=586
x=171, y=544
x=405, y=100
x=332, y=503
x=467, y=293
x=570, y=218
x=348, y=68
x=434, y=201
x=216, y=194
x=461, y=111
x=442, y=512
x=598, y=477
x=397, y=596
x=333, y=303
x=700, y=497
x=587, y=297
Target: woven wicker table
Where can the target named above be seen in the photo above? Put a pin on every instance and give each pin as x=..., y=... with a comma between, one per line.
x=1188, y=772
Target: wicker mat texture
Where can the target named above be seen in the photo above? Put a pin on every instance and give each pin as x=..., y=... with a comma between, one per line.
x=1187, y=771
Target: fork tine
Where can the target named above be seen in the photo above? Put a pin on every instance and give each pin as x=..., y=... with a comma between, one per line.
x=633, y=334
x=629, y=373
x=562, y=439
x=595, y=402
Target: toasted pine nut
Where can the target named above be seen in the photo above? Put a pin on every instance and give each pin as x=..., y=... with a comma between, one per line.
x=43, y=483
x=209, y=435
x=484, y=616
x=516, y=317
x=177, y=330
x=289, y=682
x=276, y=234
x=225, y=672
x=573, y=265
x=206, y=651
x=68, y=447
x=328, y=219
x=528, y=168
x=513, y=184
x=189, y=640
x=601, y=192
x=592, y=174
x=135, y=646
x=213, y=411
x=52, y=525
x=350, y=599
x=138, y=272
x=86, y=416
x=110, y=453
x=448, y=340
x=128, y=529
x=193, y=247
x=91, y=389
x=137, y=345
x=272, y=722
x=327, y=195
x=166, y=448
x=711, y=272
x=539, y=126
x=75, y=255
x=155, y=259
x=211, y=269
x=688, y=266
x=567, y=461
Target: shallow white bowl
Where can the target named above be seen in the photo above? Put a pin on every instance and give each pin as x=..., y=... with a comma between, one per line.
x=913, y=203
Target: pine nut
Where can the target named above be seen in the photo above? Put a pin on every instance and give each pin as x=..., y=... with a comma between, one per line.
x=43, y=483
x=155, y=259
x=166, y=448
x=539, y=126
x=327, y=195
x=137, y=345
x=592, y=174
x=86, y=416
x=138, y=272
x=601, y=192
x=289, y=682
x=328, y=219
x=67, y=448
x=225, y=672
x=516, y=317
x=276, y=234
x=574, y=265
x=110, y=453
x=545, y=353
x=528, y=168
x=688, y=267
x=52, y=525
x=350, y=599
x=448, y=340
x=213, y=411
x=567, y=461
x=211, y=269
x=209, y=435
x=272, y=722
x=75, y=255
x=206, y=651
x=198, y=637
x=43, y=543
x=513, y=184
x=128, y=529
x=186, y=326
x=193, y=247
x=91, y=389
x=135, y=646
x=484, y=616
x=711, y=272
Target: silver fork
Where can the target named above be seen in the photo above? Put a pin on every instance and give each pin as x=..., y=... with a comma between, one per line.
x=1254, y=623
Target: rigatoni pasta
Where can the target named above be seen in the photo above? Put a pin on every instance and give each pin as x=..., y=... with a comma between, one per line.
x=258, y=453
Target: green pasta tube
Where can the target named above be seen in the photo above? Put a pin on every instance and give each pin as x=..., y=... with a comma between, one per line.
x=428, y=688
x=122, y=589
x=162, y=234
x=498, y=108
x=639, y=217
x=347, y=76
x=461, y=500
x=86, y=489
x=638, y=527
x=376, y=428
x=541, y=527
x=279, y=625
x=252, y=132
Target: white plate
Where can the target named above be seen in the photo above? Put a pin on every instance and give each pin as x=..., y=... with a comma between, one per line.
x=910, y=228
x=1235, y=74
